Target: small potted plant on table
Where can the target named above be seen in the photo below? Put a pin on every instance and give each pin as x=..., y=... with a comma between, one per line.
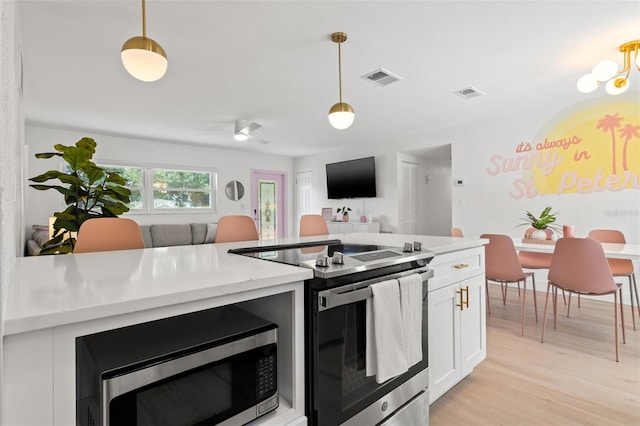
x=345, y=213
x=541, y=223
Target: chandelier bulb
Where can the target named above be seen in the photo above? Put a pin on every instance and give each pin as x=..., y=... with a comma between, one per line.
x=617, y=85
x=587, y=83
x=605, y=70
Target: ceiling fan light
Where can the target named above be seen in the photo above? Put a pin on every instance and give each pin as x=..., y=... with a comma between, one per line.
x=240, y=137
x=605, y=70
x=587, y=83
x=144, y=58
x=341, y=115
x=616, y=86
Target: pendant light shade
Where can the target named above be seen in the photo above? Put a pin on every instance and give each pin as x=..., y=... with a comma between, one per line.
x=143, y=57
x=341, y=115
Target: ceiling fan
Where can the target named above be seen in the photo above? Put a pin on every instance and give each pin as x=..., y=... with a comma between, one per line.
x=243, y=132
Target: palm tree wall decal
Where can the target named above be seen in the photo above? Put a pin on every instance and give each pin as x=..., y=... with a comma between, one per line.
x=628, y=132
x=609, y=124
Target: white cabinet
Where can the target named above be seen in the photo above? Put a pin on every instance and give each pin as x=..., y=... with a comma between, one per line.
x=457, y=322
x=349, y=227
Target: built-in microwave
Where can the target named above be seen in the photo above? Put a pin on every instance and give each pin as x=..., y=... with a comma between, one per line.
x=212, y=367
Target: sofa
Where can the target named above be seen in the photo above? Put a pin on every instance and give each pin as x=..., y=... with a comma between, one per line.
x=157, y=235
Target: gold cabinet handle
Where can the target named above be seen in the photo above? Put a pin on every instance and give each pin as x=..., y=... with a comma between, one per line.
x=461, y=304
x=466, y=299
x=461, y=266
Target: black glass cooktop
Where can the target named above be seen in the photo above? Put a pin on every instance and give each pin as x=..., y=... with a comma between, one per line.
x=357, y=257
x=296, y=254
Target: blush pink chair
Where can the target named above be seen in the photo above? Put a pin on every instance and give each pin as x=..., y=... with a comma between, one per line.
x=580, y=266
x=456, y=232
x=108, y=233
x=620, y=267
x=535, y=260
x=502, y=266
x=236, y=228
x=313, y=224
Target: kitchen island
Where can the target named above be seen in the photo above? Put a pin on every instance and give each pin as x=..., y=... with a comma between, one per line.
x=54, y=299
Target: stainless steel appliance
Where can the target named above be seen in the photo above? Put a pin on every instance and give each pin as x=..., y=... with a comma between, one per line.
x=337, y=388
x=217, y=366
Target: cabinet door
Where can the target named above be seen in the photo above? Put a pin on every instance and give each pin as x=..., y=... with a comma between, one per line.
x=444, y=340
x=473, y=339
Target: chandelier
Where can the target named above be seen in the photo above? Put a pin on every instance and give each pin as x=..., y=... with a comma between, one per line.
x=617, y=82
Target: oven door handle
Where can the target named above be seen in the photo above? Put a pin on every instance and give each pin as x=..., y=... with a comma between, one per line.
x=357, y=292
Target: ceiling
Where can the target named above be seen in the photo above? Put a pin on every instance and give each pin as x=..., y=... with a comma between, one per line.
x=273, y=62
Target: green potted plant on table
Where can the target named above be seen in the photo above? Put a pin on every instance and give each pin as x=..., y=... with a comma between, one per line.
x=545, y=220
x=345, y=213
x=89, y=191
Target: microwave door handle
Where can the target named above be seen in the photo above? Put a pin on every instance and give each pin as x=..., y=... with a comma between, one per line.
x=331, y=299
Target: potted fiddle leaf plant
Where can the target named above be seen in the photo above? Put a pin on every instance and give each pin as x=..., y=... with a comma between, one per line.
x=546, y=220
x=89, y=191
x=345, y=213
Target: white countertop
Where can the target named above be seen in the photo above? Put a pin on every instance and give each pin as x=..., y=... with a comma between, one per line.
x=48, y=291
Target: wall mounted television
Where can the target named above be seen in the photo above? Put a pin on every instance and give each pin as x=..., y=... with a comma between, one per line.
x=352, y=179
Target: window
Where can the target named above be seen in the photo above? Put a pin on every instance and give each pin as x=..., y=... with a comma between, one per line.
x=181, y=189
x=170, y=190
x=135, y=183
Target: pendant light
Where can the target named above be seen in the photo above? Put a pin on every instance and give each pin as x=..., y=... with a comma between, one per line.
x=607, y=72
x=143, y=57
x=341, y=115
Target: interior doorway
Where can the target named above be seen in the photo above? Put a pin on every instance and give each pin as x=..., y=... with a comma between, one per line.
x=434, y=181
x=269, y=203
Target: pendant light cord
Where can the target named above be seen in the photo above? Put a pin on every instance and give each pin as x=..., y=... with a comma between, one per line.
x=144, y=20
x=340, y=71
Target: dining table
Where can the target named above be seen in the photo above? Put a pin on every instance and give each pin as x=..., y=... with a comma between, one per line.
x=612, y=250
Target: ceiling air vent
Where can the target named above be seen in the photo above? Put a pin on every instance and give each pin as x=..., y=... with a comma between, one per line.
x=469, y=92
x=381, y=77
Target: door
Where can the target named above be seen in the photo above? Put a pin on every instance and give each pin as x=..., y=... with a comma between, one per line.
x=473, y=319
x=408, y=213
x=269, y=203
x=444, y=340
x=303, y=195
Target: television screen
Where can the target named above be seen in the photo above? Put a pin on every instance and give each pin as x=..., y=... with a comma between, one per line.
x=352, y=179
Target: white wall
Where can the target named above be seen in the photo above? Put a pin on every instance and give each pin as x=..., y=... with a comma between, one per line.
x=230, y=165
x=11, y=137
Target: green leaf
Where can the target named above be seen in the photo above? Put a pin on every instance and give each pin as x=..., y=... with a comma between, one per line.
x=77, y=157
x=116, y=178
x=51, y=174
x=48, y=155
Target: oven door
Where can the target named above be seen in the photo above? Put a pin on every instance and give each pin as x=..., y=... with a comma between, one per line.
x=341, y=391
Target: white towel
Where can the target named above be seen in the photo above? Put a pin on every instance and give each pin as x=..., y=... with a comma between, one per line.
x=385, y=351
x=411, y=305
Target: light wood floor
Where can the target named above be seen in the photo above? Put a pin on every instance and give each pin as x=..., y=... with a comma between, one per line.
x=570, y=379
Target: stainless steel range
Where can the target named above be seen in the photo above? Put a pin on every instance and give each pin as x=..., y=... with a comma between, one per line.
x=338, y=390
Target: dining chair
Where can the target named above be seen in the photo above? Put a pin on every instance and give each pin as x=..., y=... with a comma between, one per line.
x=502, y=266
x=234, y=228
x=534, y=260
x=620, y=267
x=313, y=224
x=456, y=232
x=580, y=266
x=108, y=233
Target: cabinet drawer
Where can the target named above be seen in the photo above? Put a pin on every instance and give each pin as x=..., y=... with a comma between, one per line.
x=452, y=267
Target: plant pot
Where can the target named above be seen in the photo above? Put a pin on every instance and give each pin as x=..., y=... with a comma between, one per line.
x=539, y=234
x=345, y=218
